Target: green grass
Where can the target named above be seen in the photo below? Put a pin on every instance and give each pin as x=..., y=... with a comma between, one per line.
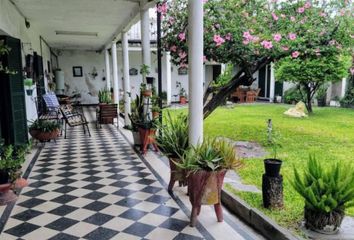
x=329, y=133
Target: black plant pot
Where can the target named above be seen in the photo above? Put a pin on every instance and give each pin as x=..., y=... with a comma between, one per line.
x=150, y=80
x=272, y=167
x=4, y=176
x=29, y=92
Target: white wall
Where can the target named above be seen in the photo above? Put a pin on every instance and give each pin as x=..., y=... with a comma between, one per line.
x=13, y=24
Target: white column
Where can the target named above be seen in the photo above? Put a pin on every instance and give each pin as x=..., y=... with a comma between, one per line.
x=115, y=74
x=145, y=37
x=108, y=70
x=344, y=87
x=195, y=59
x=272, y=83
x=127, y=90
x=168, y=77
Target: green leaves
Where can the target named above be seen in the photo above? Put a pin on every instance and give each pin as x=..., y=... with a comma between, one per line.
x=325, y=190
x=44, y=125
x=105, y=96
x=11, y=157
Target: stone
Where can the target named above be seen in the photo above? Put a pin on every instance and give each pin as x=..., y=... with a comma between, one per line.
x=297, y=111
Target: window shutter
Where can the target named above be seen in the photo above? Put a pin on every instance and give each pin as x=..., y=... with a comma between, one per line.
x=13, y=119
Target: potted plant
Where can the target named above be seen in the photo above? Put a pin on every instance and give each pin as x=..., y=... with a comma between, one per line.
x=144, y=71
x=155, y=111
x=272, y=165
x=182, y=96
x=11, y=160
x=321, y=96
x=28, y=82
x=207, y=164
x=172, y=140
x=44, y=130
x=104, y=96
x=145, y=91
x=137, y=113
x=327, y=193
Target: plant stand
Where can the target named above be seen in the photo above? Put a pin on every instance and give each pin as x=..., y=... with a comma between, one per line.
x=6, y=194
x=147, y=137
x=177, y=174
x=272, y=189
x=204, y=188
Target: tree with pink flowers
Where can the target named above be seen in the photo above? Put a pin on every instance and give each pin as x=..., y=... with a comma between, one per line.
x=254, y=33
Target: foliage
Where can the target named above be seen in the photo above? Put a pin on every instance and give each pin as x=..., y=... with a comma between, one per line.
x=312, y=72
x=211, y=155
x=44, y=125
x=155, y=108
x=273, y=139
x=138, y=117
x=3, y=51
x=144, y=71
x=172, y=137
x=322, y=92
x=325, y=190
x=225, y=77
x=11, y=159
x=28, y=82
x=292, y=95
x=348, y=100
x=163, y=95
x=104, y=96
x=270, y=31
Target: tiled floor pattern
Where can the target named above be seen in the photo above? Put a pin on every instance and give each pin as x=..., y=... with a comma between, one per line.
x=95, y=188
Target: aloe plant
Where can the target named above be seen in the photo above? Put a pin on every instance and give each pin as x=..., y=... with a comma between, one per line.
x=105, y=96
x=325, y=189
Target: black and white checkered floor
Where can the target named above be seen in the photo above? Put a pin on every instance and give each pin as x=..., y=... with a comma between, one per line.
x=95, y=188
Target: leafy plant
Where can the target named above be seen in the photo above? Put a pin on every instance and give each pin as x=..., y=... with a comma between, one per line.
x=105, y=96
x=322, y=92
x=225, y=77
x=274, y=139
x=173, y=135
x=182, y=92
x=44, y=126
x=144, y=71
x=292, y=95
x=28, y=82
x=325, y=189
x=348, y=99
x=138, y=117
x=11, y=159
x=211, y=155
x=155, y=109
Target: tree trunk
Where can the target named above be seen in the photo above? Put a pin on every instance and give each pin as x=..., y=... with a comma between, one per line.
x=309, y=102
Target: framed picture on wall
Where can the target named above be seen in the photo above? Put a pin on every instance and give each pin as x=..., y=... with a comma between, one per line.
x=133, y=72
x=182, y=71
x=77, y=71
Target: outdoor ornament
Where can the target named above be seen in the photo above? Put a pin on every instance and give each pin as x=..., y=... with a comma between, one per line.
x=297, y=111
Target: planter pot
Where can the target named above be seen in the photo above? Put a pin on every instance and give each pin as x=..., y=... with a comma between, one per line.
x=204, y=188
x=4, y=176
x=321, y=102
x=147, y=93
x=182, y=100
x=177, y=174
x=155, y=114
x=272, y=167
x=325, y=223
x=29, y=92
x=136, y=137
x=44, y=136
x=147, y=137
x=6, y=194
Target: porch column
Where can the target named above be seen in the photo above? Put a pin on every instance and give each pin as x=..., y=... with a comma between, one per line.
x=108, y=70
x=195, y=81
x=344, y=87
x=115, y=74
x=168, y=77
x=272, y=83
x=145, y=38
x=127, y=90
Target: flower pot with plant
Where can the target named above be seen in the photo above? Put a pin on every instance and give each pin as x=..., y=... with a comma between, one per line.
x=28, y=82
x=145, y=91
x=327, y=193
x=155, y=111
x=207, y=164
x=144, y=71
x=273, y=165
x=182, y=96
x=44, y=130
x=136, y=116
x=172, y=141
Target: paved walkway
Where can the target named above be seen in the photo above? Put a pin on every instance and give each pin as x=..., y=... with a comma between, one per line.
x=100, y=188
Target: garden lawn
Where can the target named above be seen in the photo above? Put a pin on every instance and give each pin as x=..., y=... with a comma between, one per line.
x=328, y=133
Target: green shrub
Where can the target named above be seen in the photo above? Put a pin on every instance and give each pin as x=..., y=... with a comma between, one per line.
x=348, y=100
x=44, y=126
x=105, y=96
x=292, y=95
x=326, y=189
x=11, y=159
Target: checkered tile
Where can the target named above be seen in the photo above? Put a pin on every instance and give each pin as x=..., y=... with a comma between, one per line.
x=95, y=188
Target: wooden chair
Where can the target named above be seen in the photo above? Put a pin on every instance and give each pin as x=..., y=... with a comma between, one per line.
x=240, y=94
x=106, y=113
x=251, y=96
x=73, y=119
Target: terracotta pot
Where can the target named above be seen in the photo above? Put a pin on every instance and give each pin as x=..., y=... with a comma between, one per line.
x=155, y=114
x=147, y=93
x=147, y=136
x=326, y=223
x=44, y=136
x=182, y=99
x=177, y=174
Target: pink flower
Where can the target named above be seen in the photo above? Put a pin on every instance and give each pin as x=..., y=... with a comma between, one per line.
x=275, y=17
x=218, y=40
x=292, y=36
x=173, y=48
x=307, y=5
x=205, y=1
x=217, y=26
x=292, y=18
x=171, y=20
x=162, y=8
x=182, y=36
x=267, y=44
x=295, y=54
x=301, y=10
x=247, y=35
x=277, y=37
x=228, y=36
x=285, y=48
x=323, y=14
x=182, y=55
x=245, y=42
x=351, y=70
